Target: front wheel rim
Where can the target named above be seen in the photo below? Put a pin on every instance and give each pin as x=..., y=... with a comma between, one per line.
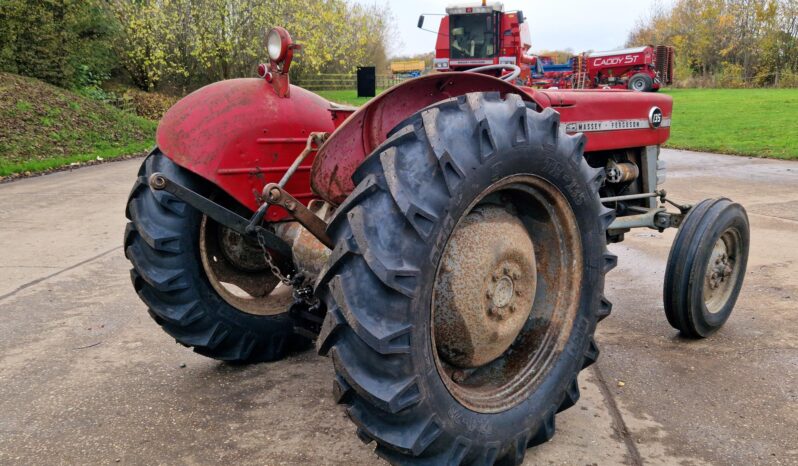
x=512, y=377
x=723, y=271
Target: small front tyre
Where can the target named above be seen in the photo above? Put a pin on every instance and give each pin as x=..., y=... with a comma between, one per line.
x=706, y=267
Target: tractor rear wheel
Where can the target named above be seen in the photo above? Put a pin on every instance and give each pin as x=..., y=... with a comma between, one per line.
x=706, y=267
x=641, y=82
x=206, y=286
x=466, y=283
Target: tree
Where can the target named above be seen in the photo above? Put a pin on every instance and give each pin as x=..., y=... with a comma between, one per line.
x=63, y=42
x=193, y=42
x=228, y=35
x=727, y=42
x=142, y=45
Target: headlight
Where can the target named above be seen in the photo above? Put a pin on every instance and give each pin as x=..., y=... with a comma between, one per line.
x=441, y=63
x=276, y=44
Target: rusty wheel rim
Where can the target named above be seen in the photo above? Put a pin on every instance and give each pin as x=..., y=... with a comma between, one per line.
x=237, y=271
x=722, y=271
x=494, y=378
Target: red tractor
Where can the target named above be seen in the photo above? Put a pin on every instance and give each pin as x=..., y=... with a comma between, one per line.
x=484, y=37
x=445, y=244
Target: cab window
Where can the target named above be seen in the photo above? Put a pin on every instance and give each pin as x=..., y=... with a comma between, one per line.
x=472, y=36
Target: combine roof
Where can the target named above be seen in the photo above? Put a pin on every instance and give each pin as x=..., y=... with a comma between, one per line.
x=473, y=7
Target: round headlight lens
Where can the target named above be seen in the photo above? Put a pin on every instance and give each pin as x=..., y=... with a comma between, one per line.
x=274, y=45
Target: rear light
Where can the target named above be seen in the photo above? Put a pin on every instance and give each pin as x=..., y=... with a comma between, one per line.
x=263, y=72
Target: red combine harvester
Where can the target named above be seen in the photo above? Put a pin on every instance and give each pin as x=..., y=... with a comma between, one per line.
x=475, y=36
x=445, y=244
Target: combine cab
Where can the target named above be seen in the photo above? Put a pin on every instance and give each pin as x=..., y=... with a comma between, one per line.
x=445, y=244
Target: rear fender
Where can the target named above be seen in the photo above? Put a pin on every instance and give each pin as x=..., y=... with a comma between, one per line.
x=353, y=141
x=240, y=135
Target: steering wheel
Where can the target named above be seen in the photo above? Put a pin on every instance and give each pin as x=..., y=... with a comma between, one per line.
x=506, y=66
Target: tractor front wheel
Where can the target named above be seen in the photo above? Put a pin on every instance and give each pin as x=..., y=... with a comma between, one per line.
x=466, y=283
x=706, y=267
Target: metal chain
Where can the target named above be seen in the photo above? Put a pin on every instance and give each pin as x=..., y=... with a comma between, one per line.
x=317, y=138
x=270, y=262
x=297, y=282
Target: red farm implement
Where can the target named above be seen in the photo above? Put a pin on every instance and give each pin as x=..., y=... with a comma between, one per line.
x=642, y=69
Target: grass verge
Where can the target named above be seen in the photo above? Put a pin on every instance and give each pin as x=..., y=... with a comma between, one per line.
x=348, y=97
x=752, y=122
x=43, y=127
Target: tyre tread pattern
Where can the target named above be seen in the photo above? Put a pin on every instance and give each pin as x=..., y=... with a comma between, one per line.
x=681, y=265
x=375, y=378
x=167, y=276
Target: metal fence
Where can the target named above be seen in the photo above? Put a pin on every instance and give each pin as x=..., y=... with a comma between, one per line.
x=336, y=82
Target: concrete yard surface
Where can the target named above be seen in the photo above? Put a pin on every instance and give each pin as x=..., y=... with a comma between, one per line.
x=86, y=377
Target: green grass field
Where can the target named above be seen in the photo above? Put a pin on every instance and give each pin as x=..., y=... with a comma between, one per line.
x=752, y=122
x=348, y=97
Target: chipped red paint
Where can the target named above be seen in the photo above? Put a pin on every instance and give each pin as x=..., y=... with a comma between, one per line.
x=331, y=176
x=603, y=105
x=240, y=135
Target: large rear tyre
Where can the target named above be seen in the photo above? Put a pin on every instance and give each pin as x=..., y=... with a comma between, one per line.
x=182, y=268
x=706, y=267
x=476, y=217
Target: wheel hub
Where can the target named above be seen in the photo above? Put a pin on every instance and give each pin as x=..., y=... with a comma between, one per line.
x=239, y=252
x=485, y=287
x=237, y=271
x=502, y=295
x=506, y=293
x=721, y=271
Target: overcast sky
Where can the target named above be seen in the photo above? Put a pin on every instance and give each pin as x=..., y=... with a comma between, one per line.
x=555, y=24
